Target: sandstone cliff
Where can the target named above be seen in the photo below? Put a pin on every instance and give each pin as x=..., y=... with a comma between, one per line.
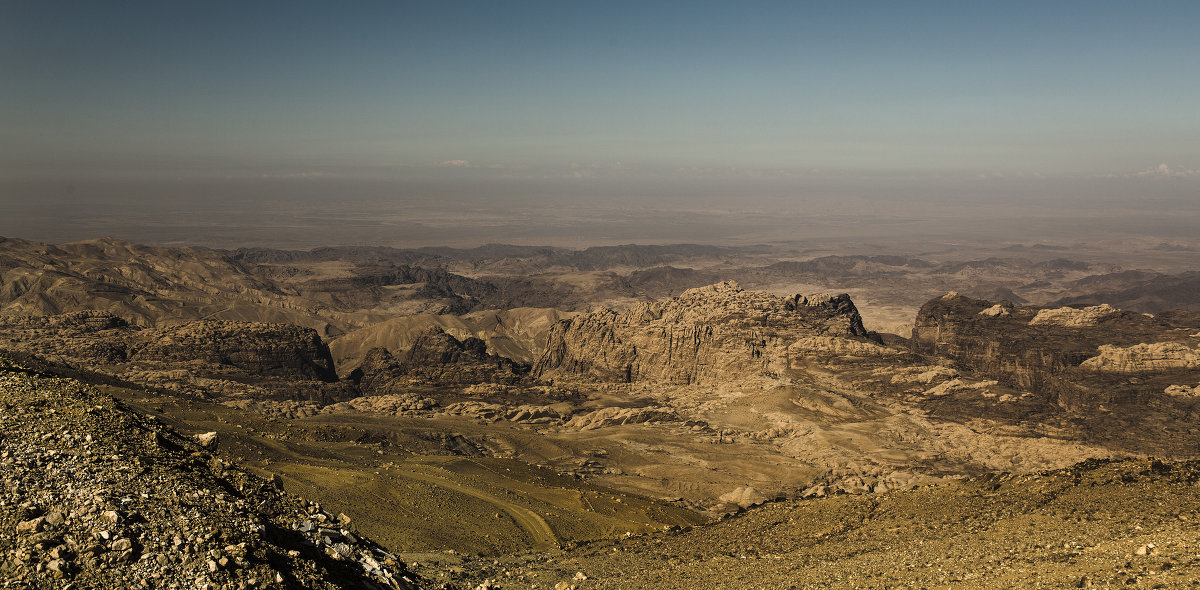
x=1060, y=354
x=280, y=350
x=706, y=335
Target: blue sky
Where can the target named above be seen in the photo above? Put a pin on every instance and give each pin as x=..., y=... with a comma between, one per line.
x=1051, y=87
x=655, y=91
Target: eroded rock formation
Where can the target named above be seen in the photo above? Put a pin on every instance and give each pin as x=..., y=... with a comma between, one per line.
x=1067, y=356
x=704, y=336
x=436, y=358
x=209, y=357
x=260, y=349
x=1156, y=356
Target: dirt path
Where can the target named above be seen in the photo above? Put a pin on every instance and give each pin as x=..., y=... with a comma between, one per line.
x=542, y=535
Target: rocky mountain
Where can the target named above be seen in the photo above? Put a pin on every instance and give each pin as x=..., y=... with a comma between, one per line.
x=517, y=333
x=434, y=358
x=851, y=265
x=1143, y=291
x=337, y=290
x=501, y=255
x=804, y=399
x=704, y=336
x=669, y=397
x=146, y=285
x=153, y=286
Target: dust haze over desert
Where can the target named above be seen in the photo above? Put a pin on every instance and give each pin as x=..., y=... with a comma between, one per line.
x=536, y=295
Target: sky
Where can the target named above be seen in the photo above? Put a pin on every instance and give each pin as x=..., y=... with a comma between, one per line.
x=104, y=104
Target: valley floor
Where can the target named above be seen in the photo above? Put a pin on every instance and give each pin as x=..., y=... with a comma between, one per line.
x=1099, y=524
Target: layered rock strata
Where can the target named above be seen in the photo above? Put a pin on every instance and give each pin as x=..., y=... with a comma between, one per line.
x=204, y=356
x=1068, y=356
x=706, y=335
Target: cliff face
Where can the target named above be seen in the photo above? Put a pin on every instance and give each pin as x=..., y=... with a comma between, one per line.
x=281, y=350
x=1063, y=354
x=703, y=336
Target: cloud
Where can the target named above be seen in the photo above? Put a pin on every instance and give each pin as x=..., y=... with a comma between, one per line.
x=1160, y=171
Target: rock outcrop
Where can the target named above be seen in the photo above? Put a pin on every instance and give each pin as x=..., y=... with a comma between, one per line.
x=208, y=357
x=704, y=336
x=260, y=349
x=1073, y=317
x=436, y=358
x=620, y=416
x=1059, y=354
x=1141, y=358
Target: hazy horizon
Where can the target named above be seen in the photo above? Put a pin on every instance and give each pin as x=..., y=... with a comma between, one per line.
x=274, y=124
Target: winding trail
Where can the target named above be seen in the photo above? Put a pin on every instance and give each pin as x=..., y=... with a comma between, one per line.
x=539, y=531
x=533, y=524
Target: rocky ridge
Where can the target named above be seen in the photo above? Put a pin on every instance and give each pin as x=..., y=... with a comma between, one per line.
x=704, y=336
x=209, y=358
x=435, y=358
x=147, y=285
x=1110, y=372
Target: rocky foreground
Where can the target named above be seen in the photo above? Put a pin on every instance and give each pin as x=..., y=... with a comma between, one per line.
x=94, y=495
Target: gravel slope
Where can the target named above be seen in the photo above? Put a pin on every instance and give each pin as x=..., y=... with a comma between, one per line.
x=93, y=495
x=1099, y=524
